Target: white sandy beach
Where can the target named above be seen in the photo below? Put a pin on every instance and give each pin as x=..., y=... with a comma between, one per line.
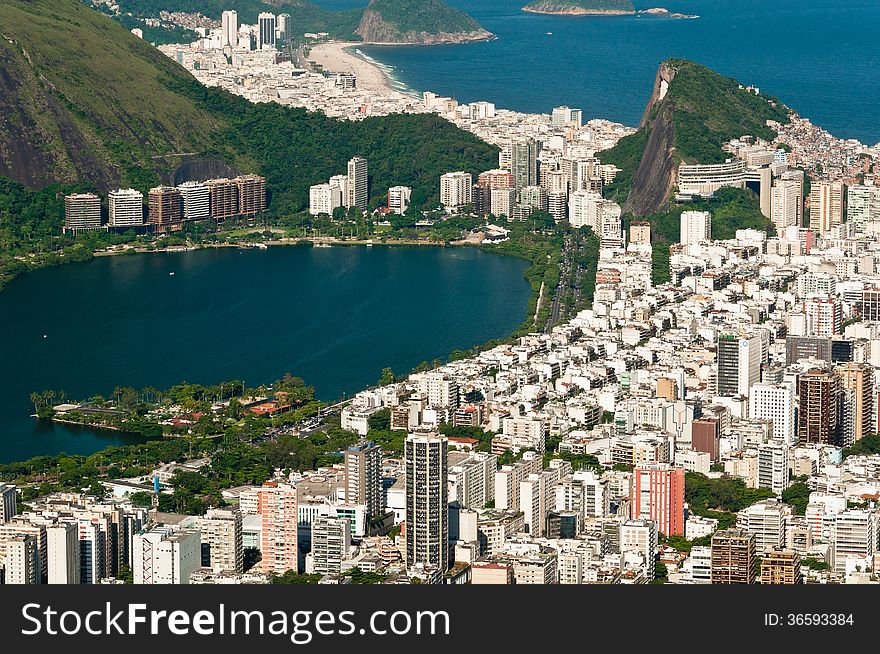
x=335, y=58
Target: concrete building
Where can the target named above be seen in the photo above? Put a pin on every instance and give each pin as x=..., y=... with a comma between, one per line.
x=524, y=162
x=62, y=553
x=827, y=202
x=251, y=194
x=658, y=495
x=229, y=28
x=696, y=227
x=8, y=503
x=126, y=208
x=774, y=402
x=279, y=522
x=781, y=566
x=357, y=184
x=427, y=505
x=773, y=468
x=733, y=557
x=456, y=189
x=221, y=540
x=19, y=559
x=859, y=378
x=166, y=554
x=786, y=204
x=739, y=363
x=399, y=199
x=766, y=521
x=819, y=407
x=363, y=477
x=165, y=209
x=266, y=30
x=331, y=541
x=82, y=212
x=196, y=200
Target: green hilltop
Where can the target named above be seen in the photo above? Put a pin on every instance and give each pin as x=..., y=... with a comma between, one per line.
x=575, y=7
x=692, y=113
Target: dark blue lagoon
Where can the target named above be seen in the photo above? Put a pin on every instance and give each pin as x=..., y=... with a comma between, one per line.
x=334, y=316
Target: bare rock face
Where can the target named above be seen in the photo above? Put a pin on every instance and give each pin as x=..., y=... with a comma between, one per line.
x=373, y=28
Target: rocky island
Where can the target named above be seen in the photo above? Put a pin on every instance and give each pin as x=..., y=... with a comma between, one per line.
x=418, y=22
x=581, y=7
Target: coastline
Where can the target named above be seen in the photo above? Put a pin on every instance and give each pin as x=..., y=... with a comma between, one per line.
x=372, y=76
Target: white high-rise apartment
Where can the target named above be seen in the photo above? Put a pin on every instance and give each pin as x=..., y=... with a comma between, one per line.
x=696, y=227
x=773, y=466
x=126, y=208
x=8, y=505
x=739, y=360
x=533, y=196
x=853, y=536
x=826, y=206
x=331, y=541
x=456, y=190
x=427, y=506
x=229, y=28
x=862, y=206
x=583, y=209
x=324, y=199
x=62, y=553
x=785, y=200
x=196, y=200
x=18, y=554
x=640, y=536
x=221, y=536
x=502, y=201
x=766, y=520
x=82, y=212
x=266, y=30
x=358, y=180
x=166, y=554
x=824, y=317
x=563, y=116
x=472, y=481
x=776, y=403
x=525, y=433
x=399, y=198
x=440, y=389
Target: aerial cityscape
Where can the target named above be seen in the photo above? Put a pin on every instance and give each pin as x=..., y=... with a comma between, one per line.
x=668, y=373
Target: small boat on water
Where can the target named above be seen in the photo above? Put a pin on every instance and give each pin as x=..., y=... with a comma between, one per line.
x=549, y=33
x=171, y=274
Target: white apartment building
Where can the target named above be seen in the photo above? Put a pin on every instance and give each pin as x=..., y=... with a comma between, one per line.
x=166, y=555
x=8, y=505
x=853, y=536
x=221, y=540
x=696, y=227
x=196, y=200
x=785, y=204
x=502, y=201
x=399, y=198
x=472, y=481
x=331, y=542
x=766, y=519
x=62, y=553
x=324, y=199
x=456, y=190
x=774, y=402
x=126, y=208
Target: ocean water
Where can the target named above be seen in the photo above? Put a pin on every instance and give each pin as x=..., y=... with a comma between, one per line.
x=820, y=57
x=333, y=316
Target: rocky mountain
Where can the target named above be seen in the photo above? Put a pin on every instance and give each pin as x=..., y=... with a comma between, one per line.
x=422, y=22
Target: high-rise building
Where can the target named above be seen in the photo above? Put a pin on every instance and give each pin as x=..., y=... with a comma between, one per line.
x=534, y=197
x=706, y=436
x=696, y=227
x=739, y=364
x=823, y=317
x=324, y=199
x=774, y=402
x=126, y=208
x=853, y=536
x=564, y=116
x=165, y=209
x=641, y=537
x=859, y=378
x=819, y=407
x=826, y=206
x=427, y=508
x=399, y=198
x=166, y=554
x=82, y=212
x=331, y=540
x=277, y=506
x=502, y=201
x=229, y=28
x=456, y=189
x=62, y=553
x=734, y=560
x=658, y=495
x=363, y=477
x=93, y=548
x=860, y=204
x=785, y=202
x=283, y=27
x=766, y=520
x=196, y=200
x=224, y=198
x=251, y=194
x=266, y=30
x=221, y=540
x=358, y=183
x=524, y=162
x=557, y=205
x=781, y=566
x=19, y=556
x=8, y=503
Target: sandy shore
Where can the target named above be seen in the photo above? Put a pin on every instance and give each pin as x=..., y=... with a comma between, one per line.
x=336, y=57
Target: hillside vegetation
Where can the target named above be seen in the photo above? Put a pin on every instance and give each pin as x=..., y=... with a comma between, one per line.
x=699, y=113
x=417, y=21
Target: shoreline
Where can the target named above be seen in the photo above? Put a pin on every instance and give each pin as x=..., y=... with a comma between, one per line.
x=372, y=76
